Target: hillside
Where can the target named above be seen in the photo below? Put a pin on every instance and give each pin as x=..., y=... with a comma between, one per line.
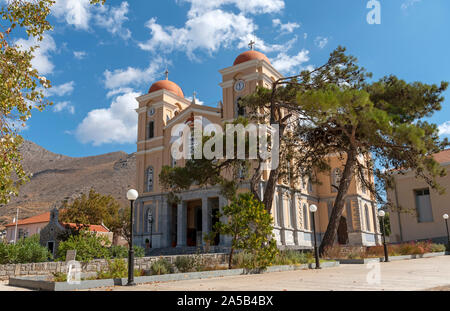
x=57, y=177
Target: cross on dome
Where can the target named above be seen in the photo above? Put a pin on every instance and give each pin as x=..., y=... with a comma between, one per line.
x=251, y=45
x=167, y=74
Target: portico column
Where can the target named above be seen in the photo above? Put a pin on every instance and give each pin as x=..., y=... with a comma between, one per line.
x=181, y=224
x=206, y=218
x=225, y=240
x=281, y=216
x=294, y=214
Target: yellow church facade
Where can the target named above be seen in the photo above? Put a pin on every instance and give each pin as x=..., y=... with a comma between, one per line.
x=159, y=224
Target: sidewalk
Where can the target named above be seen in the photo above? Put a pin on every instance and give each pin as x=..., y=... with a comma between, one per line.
x=415, y=274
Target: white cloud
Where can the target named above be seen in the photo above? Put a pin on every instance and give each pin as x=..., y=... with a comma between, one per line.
x=409, y=3
x=79, y=54
x=120, y=78
x=60, y=90
x=285, y=28
x=79, y=14
x=41, y=60
x=74, y=12
x=209, y=27
x=59, y=107
x=288, y=64
x=199, y=7
x=321, y=42
x=197, y=101
x=116, y=124
x=444, y=128
x=112, y=20
x=118, y=91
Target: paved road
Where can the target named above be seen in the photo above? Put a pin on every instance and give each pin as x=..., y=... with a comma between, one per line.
x=416, y=274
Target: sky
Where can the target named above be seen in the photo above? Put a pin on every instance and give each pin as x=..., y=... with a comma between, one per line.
x=100, y=58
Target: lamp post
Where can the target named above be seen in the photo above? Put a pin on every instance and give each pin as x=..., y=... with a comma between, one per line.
x=386, y=255
x=313, y=210
x=445, y=216
x=132, y=195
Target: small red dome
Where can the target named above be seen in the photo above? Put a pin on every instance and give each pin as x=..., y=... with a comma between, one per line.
x=250, y=55
x=166, y=85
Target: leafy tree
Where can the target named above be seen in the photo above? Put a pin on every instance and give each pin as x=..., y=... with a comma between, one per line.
x=374, y=127
x=94, y=209
x=88, y=245
x=250, y=227
x=21, y=86
x=335, y=109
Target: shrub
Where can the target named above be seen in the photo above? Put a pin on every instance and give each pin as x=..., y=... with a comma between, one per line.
x=88, y=245
x=437, y=248
x=185, y=264
x=117, y=269
x=118, y=251
x=161, y=266
x=292, y=258
x=26, y=250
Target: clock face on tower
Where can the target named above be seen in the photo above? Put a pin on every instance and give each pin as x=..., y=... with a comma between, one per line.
x=239, y=85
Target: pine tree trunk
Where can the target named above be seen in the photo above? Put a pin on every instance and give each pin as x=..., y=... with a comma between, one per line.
x=269, y=191
x=339, y=203
x=230, y=258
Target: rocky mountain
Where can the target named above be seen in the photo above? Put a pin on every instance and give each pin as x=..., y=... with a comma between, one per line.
x=57, y=177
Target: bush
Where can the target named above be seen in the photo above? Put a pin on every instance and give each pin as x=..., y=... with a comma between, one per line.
x=88, y=245
x=185, y=264
x=117, y=269
x=120, y=251
x=161, y=266
x=26, y=250
x=437, y=248
x=293, y=258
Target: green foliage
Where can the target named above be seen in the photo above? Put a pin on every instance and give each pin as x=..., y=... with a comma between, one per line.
x=118, y=251
x=161, y=266
x=94, y=209
x=26, y=250
x=88, y=245
x=21, y=86
x=117, y=269
x=185, y=264
x=250, y=226
x=59, y=277
x=291, y=257
x=138, y=251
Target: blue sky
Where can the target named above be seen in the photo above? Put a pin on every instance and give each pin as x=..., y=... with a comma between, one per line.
x=100, y=58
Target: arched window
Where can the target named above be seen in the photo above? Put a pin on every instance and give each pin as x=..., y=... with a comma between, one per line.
x=305, y=217
x=151, y=130
x=367, y=215
x=240, y=110
x=149, y=179
x=292, y=212
x=336, y=179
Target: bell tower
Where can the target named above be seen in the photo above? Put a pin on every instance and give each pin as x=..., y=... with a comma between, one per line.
x=249, y=70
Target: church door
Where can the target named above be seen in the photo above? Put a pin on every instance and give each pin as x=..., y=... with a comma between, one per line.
x=342, y=231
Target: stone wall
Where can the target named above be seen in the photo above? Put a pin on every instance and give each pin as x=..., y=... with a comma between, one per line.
x=47, y=268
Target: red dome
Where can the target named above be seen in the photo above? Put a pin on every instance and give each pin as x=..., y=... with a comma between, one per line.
x=250, y=55
x=166, y=85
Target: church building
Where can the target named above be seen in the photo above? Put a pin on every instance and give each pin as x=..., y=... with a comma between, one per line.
x=160, y=224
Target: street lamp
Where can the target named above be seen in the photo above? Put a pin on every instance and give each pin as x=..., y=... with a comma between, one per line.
x=313, y=210
x=386, y=255
x=132, y=195
x=445, y=216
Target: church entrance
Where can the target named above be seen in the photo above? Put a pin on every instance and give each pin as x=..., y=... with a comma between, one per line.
x=194, y=223
x=342, y=231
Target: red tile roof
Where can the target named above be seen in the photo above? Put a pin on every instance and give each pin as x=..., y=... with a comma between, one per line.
x=33, y=220
x=443, y=156
x=43, y=218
